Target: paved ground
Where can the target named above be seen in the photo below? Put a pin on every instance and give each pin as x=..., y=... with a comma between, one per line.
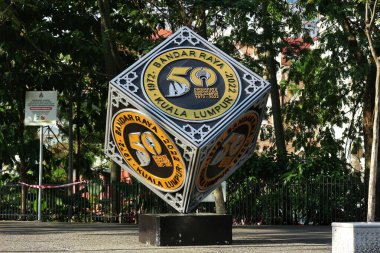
x=104, y=237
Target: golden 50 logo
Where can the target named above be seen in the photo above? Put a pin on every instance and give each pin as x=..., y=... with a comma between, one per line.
x=227, y=150
x=191, y=84
x=148, y=150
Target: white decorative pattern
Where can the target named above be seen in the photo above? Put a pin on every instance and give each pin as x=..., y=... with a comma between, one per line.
x=367, y=240
x=254, y=83
x=112, y=153
x=186, y=35
x=126, y=82
x=188, y=151
x=176, y=200
x=199, y=134
x=116, y=99
x=356, y=237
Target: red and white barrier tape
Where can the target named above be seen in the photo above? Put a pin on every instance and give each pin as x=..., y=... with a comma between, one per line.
x=51, y=186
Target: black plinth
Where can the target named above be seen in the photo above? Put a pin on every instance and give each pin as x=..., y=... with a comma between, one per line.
x=185, y=229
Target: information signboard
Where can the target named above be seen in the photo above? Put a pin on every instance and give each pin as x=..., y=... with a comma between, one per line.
x=40, y=108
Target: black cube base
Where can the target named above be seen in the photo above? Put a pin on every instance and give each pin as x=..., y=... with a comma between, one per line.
x=185, y=229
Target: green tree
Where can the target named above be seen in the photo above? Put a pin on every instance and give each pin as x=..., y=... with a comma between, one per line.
x=346, y=41
x=59, y=46
x=265, y=25
x=372, y=19
x=20, y=67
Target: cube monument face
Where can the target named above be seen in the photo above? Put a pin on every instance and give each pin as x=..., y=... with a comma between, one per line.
x=183, y=118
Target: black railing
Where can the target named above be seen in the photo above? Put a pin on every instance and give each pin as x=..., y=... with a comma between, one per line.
x=249, y=201
x=314, y=202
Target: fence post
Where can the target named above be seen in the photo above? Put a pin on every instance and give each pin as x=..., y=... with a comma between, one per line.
x=115, y=193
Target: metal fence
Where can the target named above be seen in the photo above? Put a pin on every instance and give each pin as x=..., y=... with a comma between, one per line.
x=319, y=201
x=250, y=202
x=87, y=202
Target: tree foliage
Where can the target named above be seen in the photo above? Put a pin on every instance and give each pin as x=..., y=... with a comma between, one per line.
x=58, y=46
x=76, y=47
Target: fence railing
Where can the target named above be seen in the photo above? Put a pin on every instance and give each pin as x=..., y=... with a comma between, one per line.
x=314, y=202
x=249, y=201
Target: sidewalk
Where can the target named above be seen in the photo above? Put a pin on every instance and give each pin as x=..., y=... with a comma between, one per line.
x=16, y=236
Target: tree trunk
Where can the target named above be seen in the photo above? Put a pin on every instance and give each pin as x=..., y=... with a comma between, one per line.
x=24, y=192
x=368, y=97
x=374, y=152
x=219, y=200
x=23, y=165
x=270, y=64
x=370, y=19
x=115, y=193
x=369, y=87
x=78, y=132
x=70, y=162
x=276, y=109
x=368, y=105
x=113, y=64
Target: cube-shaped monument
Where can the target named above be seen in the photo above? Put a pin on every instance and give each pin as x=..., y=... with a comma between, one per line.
x=183, y=118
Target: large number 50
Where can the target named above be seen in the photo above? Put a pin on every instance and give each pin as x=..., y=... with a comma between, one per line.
x=229, y=147
x=178, y=74
x=145, y=144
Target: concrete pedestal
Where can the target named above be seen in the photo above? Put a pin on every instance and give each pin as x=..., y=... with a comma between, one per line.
x=185, y=229
x=350, y=237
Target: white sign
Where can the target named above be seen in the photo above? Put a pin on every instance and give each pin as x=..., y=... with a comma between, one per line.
x=40, y=108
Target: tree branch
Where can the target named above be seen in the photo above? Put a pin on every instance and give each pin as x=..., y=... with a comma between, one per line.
x=20, y=25
x=368, y=30
x=56, y=137
x=373, y=12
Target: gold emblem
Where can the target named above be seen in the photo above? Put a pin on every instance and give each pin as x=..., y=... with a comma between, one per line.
x=191, y=84
x=228, y=150
x=148, y=150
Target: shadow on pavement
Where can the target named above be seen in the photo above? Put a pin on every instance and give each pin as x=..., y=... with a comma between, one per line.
x=282, y=235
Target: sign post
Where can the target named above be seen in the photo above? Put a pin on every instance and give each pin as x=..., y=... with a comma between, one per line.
x=40, y=110
x=40, y=172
